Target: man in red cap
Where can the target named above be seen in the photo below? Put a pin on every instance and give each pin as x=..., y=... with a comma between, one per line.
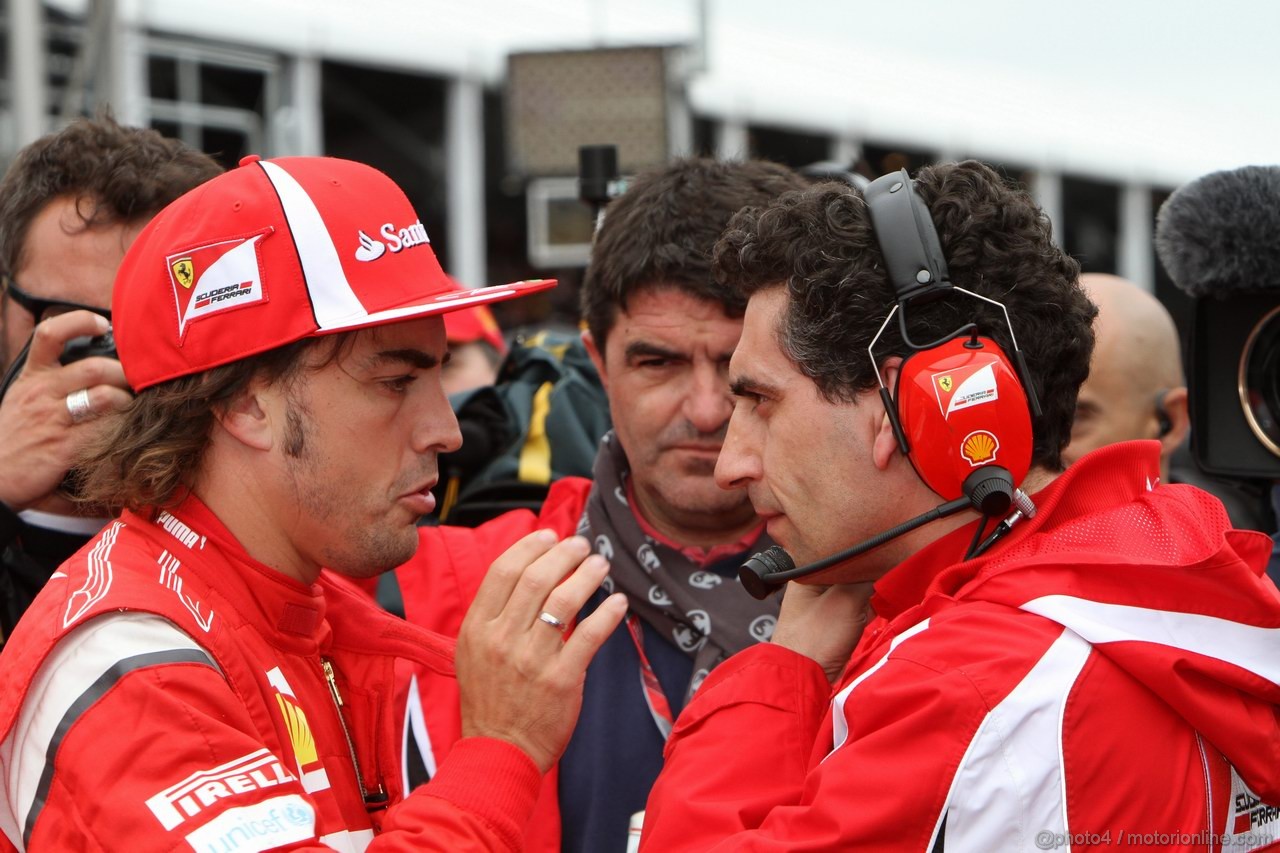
x=476, y=348
x=191, y=678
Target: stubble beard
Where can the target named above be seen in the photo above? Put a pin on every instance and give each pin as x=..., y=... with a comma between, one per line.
x=352, y=548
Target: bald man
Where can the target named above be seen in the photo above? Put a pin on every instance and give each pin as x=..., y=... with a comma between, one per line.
x=1135, y=388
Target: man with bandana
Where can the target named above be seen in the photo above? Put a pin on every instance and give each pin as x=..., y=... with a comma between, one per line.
x=660, y=331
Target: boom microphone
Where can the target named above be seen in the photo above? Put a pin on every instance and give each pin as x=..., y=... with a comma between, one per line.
x=1218, y=234
x=770, y=569
x=988, y=490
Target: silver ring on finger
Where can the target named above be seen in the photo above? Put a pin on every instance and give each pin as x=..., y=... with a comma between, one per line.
x=78, y=405
x=551, y=620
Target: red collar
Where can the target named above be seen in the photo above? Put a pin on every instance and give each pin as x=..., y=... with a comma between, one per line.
x=1106, y=477
x=294, y=609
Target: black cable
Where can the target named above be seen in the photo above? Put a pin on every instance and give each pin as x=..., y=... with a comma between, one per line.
x=977, y=537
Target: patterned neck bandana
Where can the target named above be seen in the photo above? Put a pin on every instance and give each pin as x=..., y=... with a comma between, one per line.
x=706, y=615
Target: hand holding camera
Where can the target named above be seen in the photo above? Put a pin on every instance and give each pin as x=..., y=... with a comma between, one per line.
x=65, y=377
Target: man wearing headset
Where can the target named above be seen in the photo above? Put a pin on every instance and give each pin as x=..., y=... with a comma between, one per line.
x=1101, y=672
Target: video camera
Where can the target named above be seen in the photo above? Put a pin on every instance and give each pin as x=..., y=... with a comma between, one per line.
x=1217, y=237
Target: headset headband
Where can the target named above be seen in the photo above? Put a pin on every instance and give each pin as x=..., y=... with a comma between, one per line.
x=908, y=241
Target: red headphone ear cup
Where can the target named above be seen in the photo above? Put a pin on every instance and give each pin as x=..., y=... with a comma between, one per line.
x=962, y=407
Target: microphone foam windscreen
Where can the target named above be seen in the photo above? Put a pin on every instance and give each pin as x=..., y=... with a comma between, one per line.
x=1220, y=234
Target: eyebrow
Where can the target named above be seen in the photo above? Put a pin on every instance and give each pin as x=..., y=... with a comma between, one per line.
x=744, y=385
x=414, y=357
x=644, y=349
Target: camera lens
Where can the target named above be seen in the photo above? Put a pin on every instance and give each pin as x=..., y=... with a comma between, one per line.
x=1260, y=381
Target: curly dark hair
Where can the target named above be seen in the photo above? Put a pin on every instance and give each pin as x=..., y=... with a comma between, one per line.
x=117, y=174
x=662, y=230
x=819, y=244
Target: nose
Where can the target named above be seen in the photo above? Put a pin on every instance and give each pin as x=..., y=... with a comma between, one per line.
x=437, y=430
x=708, y=403
x=739, y=462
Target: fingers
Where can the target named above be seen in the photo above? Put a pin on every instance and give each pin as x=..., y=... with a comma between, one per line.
x=590, y=633
x=540, y=586
x=90, y=373
x=520, y=581
x=51, y=335
x=102, y=399
x=823, y=622
x=520, y=676
x=48, y=414
x=504, y=573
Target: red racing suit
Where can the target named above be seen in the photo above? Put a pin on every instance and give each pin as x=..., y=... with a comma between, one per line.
x=166, y=692
x=1106, y=677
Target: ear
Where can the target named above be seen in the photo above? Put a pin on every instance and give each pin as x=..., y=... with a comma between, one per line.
x=246, y=417
x=886, y=446
x=1175, y=407
x=597, y=357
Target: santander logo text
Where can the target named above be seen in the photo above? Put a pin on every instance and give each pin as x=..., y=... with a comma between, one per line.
x=393, y=239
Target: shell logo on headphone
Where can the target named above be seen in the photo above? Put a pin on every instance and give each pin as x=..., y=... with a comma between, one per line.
x=979, y=447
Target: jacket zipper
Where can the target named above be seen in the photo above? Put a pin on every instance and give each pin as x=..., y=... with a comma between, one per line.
x=327, y=666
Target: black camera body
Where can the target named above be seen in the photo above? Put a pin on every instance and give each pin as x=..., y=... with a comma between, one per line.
x=74, y=350
x=1217, y=237
x=103, y=345
x=1234, y=385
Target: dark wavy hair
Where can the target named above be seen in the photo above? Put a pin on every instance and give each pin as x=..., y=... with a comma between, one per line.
x=818, y=243
x=116, y=174
x=662, y=230
x=147, y=455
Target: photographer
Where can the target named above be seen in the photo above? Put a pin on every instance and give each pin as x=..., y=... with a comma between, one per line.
x=70, y=205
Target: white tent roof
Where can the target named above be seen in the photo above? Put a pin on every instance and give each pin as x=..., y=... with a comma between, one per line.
x=1155, y=91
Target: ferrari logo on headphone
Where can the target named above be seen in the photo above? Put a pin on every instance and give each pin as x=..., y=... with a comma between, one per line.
x=184, y=272
x=945, y=383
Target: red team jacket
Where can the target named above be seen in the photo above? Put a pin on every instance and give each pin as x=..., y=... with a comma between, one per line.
x=1105, y=678
x=166, y=691
x=438, y=585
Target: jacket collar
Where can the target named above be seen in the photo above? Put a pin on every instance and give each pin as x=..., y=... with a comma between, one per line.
x=1106, y=478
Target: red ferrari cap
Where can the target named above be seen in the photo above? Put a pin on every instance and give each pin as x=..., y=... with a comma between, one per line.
x=474, y=324
x=270, y=253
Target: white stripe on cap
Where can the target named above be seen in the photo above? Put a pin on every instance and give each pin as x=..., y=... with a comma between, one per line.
x=334, y=302
x=439, y=304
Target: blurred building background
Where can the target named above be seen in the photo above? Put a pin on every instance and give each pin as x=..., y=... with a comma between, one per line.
x=476, y=107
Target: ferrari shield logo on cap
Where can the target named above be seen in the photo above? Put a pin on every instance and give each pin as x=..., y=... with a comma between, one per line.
x=183, y=272
x=216, y=277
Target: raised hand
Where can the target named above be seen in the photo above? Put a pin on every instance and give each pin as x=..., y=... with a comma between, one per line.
x=824, y=622
x=520, y=667
x=48, y=414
